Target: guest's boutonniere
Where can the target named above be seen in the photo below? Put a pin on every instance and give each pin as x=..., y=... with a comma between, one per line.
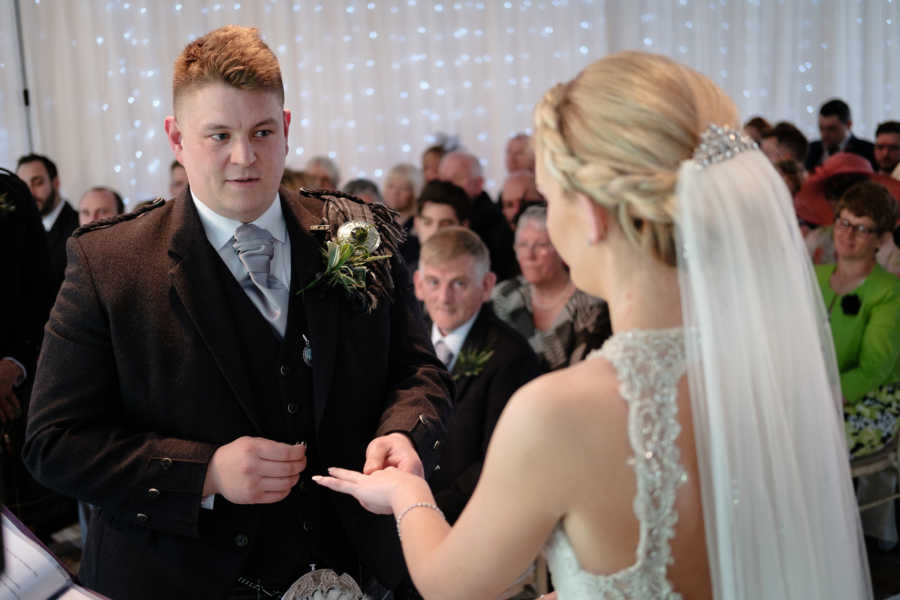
x=470, y=363
x=347, y=258
x=6, y=206
x=851, y=304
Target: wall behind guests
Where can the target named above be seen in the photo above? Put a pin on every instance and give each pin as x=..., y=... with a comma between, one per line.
x=370, y=83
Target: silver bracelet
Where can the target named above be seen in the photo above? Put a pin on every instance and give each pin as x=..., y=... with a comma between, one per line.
x=416, y=505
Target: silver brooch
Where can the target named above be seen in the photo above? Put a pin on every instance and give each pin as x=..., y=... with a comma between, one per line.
x=306, y=354
x=720, y=142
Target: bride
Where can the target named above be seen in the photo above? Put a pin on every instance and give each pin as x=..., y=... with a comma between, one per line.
x=699, y=454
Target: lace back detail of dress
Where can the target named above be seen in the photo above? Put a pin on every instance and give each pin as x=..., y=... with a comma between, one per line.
x=649, y=365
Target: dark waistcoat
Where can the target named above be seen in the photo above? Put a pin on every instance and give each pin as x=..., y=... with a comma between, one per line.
x=300, y=530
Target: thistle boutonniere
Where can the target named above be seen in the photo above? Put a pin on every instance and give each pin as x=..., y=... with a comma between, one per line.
x=6, y=206
x=851, y=304
x=470, y=363
x=347, y=258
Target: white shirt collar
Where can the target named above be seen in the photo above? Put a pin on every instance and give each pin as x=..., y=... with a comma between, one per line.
x=50, y=219
x=456, y=338
x=843, y=145
x=220, y=230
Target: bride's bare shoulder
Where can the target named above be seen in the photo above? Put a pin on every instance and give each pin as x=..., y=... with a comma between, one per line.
x=565, y=401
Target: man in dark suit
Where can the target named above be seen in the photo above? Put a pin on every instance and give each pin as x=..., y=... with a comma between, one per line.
x=188, y=390
x=488, y=358
x=24, y=307
x=485, y=218
x=59, y=219
x=834, y=127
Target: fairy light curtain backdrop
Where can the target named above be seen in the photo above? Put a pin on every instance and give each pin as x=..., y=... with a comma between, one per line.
x=371, y=83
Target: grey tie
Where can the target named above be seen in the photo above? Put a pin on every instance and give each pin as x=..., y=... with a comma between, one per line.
x=443, y=352
x=255, y=249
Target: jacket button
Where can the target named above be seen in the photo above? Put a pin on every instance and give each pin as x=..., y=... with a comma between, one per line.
x=142, y=518
x=165, y=463
x=437, y=444
x=241, y=540
x=307, y=527
x=292, y=408
x=283, y=370
x=153, y=492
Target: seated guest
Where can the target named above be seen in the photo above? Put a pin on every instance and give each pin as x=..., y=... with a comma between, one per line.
x=431, y=157
x=793, y=174
x=561, y=323
x=487, y=358
x=97, y=203
x=177, y=179
x=519, y=191
x=486, y=220
x=519, y=154
x=835, y=127
x=815, y=201
x=28, y=293
x=441, y=204
x=863, y=305
x=293, y=180
x=42, y=178
x=755, y=127
x=887, y=148
x=323, y=173
x=402, y=186
x=785, y=142
x=364, y=189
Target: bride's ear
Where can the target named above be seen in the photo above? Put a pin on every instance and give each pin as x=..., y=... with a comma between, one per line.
x=598, y=219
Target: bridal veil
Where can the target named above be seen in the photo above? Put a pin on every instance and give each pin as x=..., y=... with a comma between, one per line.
x=781, y=517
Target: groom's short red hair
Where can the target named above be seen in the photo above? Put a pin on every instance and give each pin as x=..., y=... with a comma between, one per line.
x=233, y=55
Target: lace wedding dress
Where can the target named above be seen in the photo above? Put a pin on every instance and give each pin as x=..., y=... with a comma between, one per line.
x=649, y=365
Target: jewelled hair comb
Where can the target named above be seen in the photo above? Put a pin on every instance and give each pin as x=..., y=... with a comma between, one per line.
x=720, y=142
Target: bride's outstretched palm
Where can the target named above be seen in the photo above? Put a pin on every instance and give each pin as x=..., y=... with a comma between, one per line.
x=374, y=492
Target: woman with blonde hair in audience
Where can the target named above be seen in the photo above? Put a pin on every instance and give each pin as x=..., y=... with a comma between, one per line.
x=561, y=322
x=402, y=186
x=699, y=454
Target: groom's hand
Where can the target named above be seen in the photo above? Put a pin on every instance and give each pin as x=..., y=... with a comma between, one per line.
x=252, y=470
x=393, y=450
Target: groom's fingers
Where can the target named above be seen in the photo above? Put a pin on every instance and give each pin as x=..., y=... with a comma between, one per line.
x=376, y=455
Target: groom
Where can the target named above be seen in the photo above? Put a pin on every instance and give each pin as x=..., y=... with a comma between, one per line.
x=188, y=391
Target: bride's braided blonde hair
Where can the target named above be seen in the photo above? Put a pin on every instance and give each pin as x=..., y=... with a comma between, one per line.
x=618, y=133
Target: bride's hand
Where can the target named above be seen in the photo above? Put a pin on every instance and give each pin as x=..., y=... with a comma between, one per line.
x=375, y=492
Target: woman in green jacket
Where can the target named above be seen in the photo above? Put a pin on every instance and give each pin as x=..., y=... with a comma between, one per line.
x=863, y=305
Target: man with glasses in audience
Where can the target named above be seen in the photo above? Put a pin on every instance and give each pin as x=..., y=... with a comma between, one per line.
x=887, y=149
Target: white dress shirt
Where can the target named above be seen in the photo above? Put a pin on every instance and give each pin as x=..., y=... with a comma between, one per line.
x=220, y=233
x=50, y=219
x=455, y=339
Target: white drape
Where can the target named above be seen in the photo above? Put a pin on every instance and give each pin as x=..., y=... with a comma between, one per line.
x=371, y=82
